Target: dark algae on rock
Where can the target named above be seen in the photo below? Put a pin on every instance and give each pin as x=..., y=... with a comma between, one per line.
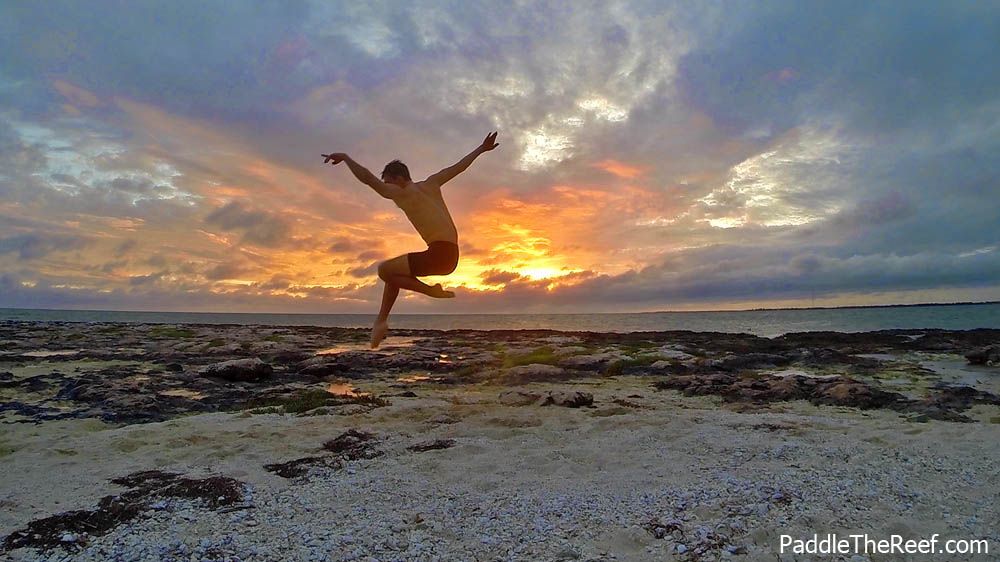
x=70, y=530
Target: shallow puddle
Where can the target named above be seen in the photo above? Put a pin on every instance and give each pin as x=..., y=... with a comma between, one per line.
x=388, y=343
x=340, y=348
x=878, y=356
x=799, y=372
x=183, y=393
x=28, y=369
x=50, y=353
x=412, y=379
x=345, y=389
x=959, y=371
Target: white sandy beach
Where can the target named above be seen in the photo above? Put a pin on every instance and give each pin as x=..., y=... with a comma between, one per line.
x=522, y=482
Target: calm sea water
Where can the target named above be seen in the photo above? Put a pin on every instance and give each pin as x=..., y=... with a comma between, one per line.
x=766, y=323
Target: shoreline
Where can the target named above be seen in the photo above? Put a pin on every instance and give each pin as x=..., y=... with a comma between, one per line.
x=700, y=311
x=767, y=323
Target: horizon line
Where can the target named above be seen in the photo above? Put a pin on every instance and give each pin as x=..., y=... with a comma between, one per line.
x=760, y=309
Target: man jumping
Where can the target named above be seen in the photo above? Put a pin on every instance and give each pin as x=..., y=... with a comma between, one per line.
x=424, y=205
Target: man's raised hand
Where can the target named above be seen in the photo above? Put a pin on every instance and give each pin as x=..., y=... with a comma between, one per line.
x=337, y=157
x=490, y=142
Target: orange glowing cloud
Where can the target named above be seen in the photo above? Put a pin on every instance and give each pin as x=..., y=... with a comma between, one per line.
x=620, y=169
x=252, y=224
x=555, y=236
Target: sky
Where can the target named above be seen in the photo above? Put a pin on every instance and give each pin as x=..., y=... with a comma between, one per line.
x=653, y=155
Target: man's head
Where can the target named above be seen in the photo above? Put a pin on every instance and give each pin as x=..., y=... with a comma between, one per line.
x=396, y=172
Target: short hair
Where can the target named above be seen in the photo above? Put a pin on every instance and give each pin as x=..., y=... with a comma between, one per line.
x=397, y=169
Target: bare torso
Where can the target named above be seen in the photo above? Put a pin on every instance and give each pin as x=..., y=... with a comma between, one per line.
x=424, y=205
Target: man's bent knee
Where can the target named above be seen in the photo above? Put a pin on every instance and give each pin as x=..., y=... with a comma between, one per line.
x=395, y=266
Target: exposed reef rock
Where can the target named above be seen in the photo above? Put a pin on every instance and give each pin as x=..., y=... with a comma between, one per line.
x=135, y=373
x=238, y=370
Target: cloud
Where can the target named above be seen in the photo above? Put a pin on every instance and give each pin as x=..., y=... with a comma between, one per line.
x=498, y=277
x=620, y=169
x=367, y=271
x=145, y=279
x=890, y=207
x=258, y=227
x=228, y=270
x=35, y=245
x=186, y=56
x=125, y=246
x=653, y=154
x=879, y=67
x=370, y=255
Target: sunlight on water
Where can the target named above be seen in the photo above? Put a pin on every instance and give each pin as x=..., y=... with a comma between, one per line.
x=345, y=389
x=388, y=343
x=339, y=348
x=183, y=393
x=416, y=378
x=959, y=372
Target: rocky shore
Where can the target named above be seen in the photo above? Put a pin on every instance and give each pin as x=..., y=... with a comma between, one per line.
x=234, y=442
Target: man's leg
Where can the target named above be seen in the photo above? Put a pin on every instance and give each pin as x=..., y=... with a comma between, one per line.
x=397, y=272
x=414, y=284
x=396, y=275
x=381, y=326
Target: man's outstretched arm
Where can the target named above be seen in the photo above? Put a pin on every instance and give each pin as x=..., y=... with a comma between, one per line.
x=363, y=174
x=489, y=143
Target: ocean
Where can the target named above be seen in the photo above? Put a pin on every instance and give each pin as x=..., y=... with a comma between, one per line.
x=767, y=323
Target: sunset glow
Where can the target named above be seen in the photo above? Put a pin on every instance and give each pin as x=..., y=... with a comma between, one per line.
x=648, y=160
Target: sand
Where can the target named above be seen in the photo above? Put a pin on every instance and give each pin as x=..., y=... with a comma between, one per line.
x=793, y=469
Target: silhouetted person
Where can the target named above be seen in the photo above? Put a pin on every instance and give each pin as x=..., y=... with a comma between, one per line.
x=424, y=206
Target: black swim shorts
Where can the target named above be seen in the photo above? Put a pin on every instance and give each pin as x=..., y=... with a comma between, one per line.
x=440, y=258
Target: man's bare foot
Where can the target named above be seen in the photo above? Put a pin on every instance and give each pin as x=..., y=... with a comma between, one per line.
x=379, y=330
x=439, y=293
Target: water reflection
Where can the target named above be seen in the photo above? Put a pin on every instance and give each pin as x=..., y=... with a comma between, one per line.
x=345, y=389
x=387, y=343
x=960, y=372
x=183, y=393
x=416, y=378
